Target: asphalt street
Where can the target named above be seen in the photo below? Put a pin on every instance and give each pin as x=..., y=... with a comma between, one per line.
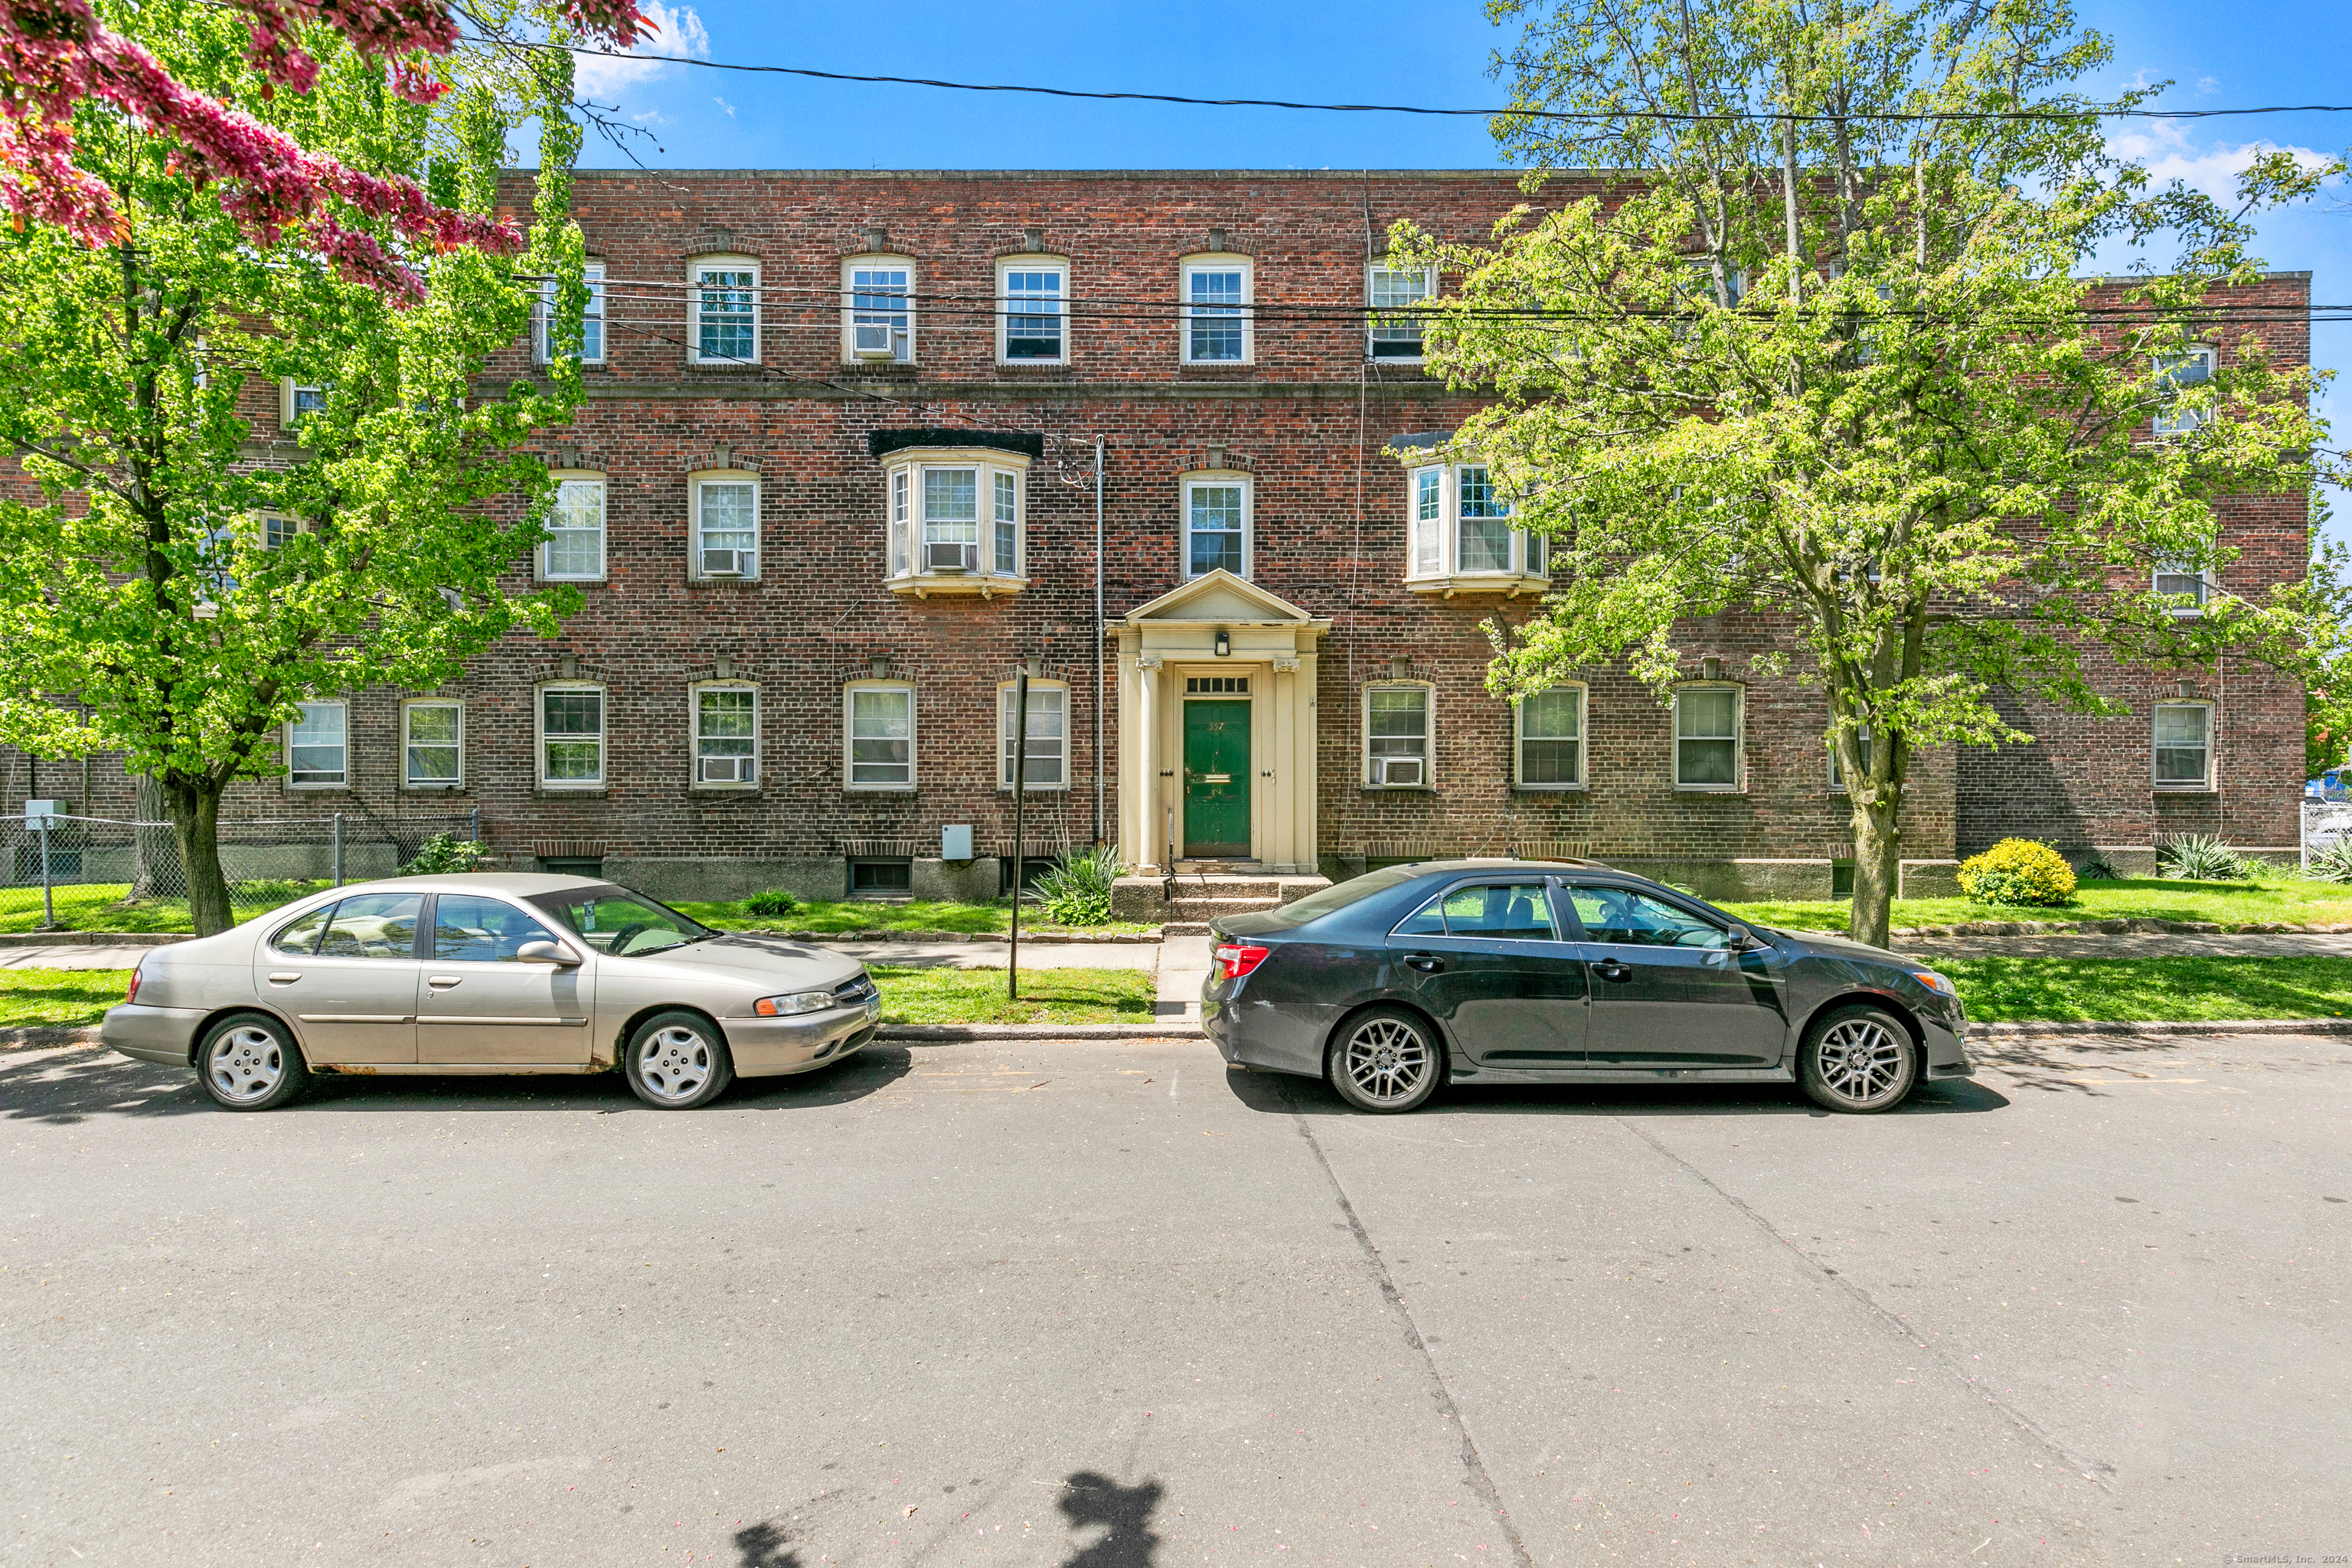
x=1105, y=1305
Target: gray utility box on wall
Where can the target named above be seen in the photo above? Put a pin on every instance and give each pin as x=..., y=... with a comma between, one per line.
x=955, y=841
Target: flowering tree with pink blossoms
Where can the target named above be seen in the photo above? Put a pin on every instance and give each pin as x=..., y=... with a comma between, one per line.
x=212, y=208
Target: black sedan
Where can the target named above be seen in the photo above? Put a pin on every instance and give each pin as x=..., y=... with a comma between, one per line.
x=1511, y=971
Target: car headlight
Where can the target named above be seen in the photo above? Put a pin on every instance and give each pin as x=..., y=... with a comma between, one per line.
x=1937, y=982
x=797, y=1002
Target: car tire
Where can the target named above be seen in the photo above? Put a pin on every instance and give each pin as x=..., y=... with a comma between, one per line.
x=1859, y=1061
x=1386, y=1061
x=678, y=1060
x=249, y=1061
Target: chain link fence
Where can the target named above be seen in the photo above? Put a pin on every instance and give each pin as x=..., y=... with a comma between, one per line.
x=94, y=873
x=2325, y=823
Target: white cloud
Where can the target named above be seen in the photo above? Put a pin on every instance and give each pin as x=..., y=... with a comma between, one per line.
x=2206, y=84
x=725, y=105
x=2165, y=148
x=677, y=31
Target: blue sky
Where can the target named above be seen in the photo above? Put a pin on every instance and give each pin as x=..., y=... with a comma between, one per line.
x=2218, y=53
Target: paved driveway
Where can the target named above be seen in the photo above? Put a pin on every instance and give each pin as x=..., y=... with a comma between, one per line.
x=1106, y=1305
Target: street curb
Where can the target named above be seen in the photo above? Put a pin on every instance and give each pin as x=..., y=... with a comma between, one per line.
x=2168, y=1028
x=943, y=1034
x=93, y=938
x=1061, y=938
x=31, y=1039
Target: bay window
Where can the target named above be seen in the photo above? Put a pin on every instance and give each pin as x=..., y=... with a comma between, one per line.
x=1461, y=536
x=955, y=520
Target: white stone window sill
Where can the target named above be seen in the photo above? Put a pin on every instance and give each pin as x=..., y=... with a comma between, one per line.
x=925, y=584
x=1552, y=788
x=1710, y=789
x=2187, y=789
x=751, y=787
x=1512, y=584
x=881, y=789
x=577, y=582
x=1006, y=790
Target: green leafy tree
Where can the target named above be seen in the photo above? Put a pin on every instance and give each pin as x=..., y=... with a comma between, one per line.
x=142, y=575
x=1832, y=363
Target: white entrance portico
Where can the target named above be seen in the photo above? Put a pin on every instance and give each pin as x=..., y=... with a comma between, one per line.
x=1217, y=638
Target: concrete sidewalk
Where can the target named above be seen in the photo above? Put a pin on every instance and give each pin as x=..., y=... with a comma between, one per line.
x=912, y=955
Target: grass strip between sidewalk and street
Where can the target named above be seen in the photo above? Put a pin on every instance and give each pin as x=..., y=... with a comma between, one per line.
x=2276, y=901
x=1996, y=990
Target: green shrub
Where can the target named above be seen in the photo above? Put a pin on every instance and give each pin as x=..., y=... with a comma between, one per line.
x=443, y=854
x=1077, y=891
x=771, y=901
x=2019, y=871
x=2332, y=861
x=2199, y=857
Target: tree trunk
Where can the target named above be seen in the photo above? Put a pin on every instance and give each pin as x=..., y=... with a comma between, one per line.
x=154, y=866
x=1878, y=860
x=194, y=808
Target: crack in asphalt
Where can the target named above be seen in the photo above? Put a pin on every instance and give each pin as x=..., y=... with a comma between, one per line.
x=1472, y=1463
x=2095, y=1471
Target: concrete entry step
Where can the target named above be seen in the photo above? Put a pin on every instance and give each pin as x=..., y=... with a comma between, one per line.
x=1200, y=896
x=1190, y=908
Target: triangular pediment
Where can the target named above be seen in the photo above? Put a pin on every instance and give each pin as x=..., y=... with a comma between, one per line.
x=1219, y=596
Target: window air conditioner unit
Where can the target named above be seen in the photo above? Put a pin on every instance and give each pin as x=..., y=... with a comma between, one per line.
x=872, y=340
x=729, y=770
x=1397, y=770
x=727, y=562
x=950, y=557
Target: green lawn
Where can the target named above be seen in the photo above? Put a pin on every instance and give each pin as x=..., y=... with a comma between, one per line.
x=830, y=917
x=2278, y=902
x=1047, y=996
x=2147, y=990
x=58, y=998
x=99, y=905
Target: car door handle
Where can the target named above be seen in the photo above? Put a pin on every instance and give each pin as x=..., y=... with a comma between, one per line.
x=1427, y=962
x=442, y=982
x=284, y=977
x=1610, y=969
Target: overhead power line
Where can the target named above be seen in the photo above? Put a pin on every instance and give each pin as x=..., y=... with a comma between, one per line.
x=1526, y=112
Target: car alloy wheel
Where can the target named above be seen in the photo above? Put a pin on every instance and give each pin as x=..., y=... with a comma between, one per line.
x=248, y=1063
x=1861, y=1059
x=678, y=1060
x=1386, y=1062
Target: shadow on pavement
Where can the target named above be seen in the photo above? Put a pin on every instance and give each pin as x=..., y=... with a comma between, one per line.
x=74, y=1086
x=1284, y=1094
x=1090, y=1500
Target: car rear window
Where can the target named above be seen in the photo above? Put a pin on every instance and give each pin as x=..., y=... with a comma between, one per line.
x=1355, y=889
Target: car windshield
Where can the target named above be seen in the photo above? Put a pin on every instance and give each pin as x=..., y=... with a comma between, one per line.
x=619, y=924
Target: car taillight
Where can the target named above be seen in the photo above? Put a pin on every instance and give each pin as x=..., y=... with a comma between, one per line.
x=1234, y=960
x=137, y=970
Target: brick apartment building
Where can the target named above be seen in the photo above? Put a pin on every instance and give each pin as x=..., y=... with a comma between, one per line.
x=837, y=478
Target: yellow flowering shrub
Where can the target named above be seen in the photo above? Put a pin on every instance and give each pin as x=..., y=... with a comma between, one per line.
x=2017, y=872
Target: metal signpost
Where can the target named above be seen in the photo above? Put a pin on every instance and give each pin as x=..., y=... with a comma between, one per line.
x=1020, y=797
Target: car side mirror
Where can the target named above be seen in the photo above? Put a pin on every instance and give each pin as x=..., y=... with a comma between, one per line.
x=547, y=952
x=1741, y=939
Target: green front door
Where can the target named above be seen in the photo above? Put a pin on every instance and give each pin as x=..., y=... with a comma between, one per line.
x=1216, y=779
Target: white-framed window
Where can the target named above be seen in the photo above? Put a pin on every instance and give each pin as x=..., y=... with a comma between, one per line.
x=1396, y=735
x=1032, y=320
x=277, y=532
x=318, y=749
x=726, y=531
x=591, y=319
x=2182, y=578
x=433, y=743
x=878, y=735
x=1706, y=737
x=1550, y=725
x=877, y=308
x=1215, y=292
x=726, y=734
x=2184, y=745
x=1837, y=768
x=1460, y=525
x=1394, y=331
x=1217, y=525
x=1049, y=730
x=958, y=517
x=297, y=401
x=572, y=736
x=2193, y=366
x=723, y=310
x=574, y=550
